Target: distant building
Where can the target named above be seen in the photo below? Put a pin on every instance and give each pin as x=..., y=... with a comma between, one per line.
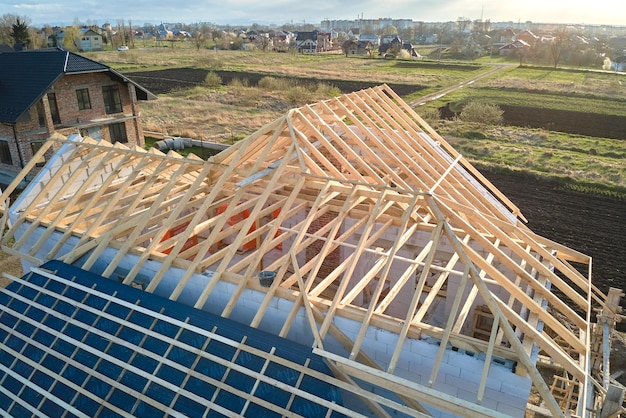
x=90, y=40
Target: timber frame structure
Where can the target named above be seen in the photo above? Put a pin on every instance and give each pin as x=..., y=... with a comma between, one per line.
x=358, y=212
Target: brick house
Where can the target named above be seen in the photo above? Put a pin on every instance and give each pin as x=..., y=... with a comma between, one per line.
x=52, y=90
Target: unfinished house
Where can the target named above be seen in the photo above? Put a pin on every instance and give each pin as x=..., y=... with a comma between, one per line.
x=348, y=228
x=49, y=91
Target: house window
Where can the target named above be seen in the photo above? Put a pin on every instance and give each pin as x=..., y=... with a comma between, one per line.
x=5, y=153
x=54, y=109
x=117, y=132
x=41, y=114
x=112, y=101
x=82, y=95
x=35, y=147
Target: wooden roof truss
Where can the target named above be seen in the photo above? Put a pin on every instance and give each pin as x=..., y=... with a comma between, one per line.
x=368, y=162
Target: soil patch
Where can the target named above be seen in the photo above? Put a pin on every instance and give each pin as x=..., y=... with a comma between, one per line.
x=577, y=123
x=438, y=66
x=580, y=123
x=165, y=81
x=592, y=224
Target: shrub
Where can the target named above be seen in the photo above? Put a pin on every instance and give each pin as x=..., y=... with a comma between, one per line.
x=237, y=83
x=212, y=80
x=431, y=115
x=297, y=95
x=268, y=83
x=484, y=113
x=326, y=91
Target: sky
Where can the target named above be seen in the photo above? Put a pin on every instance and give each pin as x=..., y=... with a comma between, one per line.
x=279, y=12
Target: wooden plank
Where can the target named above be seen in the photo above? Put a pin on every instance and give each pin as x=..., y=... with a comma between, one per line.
x=86, y=241
x=362, y=357
x=432, y=158
x=448, y=330
x=85, y=211
x=351, y=261
x=410, y=112
x=17, y=180
x=487, y=363
x=173, y=216
x=384, y=273
x=244, y=234
x=513, y=266
x=411, y=390
x=531, y=304
x=43, y=238
x=58, y=194
x=127, y=220
x=494, y=306
x=434, y=291
x=429, y=252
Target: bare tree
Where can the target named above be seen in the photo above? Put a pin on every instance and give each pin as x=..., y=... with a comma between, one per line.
x=557, y=45
x=198, y=38
x=131, y=35
x=463, y=23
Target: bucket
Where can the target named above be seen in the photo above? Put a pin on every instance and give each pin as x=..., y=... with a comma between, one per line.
x=266, y=278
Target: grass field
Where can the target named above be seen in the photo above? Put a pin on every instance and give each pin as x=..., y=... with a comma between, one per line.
x=226, y=113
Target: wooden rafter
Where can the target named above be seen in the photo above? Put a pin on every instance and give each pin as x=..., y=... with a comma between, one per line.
x=361, y=175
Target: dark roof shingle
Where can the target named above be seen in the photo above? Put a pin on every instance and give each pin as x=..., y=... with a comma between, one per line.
x=26, y=76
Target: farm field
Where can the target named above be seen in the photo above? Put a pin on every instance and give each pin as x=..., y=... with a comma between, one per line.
x=528, y=165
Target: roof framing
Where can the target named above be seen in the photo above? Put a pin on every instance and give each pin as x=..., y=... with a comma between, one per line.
x=361, y=174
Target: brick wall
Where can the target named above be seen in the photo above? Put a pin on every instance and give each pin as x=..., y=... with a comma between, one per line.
x=73, y=119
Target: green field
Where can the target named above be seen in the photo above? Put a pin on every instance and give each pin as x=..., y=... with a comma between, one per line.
x=224, y=113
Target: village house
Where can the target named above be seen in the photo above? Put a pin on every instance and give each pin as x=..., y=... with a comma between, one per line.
x=43, y=92
x=352, y=47
x=90, y=40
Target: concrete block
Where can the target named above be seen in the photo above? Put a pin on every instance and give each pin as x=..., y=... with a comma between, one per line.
x=467, y=395
x=510, y=410
x=442, y=387
x=447, y=369
x=458, y=358
x=460, y=383
x=506, y=399
x=519, y=390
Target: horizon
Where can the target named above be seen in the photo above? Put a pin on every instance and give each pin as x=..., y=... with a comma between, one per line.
x=281, y=12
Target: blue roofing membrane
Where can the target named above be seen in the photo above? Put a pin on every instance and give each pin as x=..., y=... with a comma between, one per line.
x=75, y=343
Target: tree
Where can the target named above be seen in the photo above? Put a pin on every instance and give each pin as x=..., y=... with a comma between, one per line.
x=390, y=30
x=19, y=32
x=6, y=26
x=71, y=38
x=198, y=39
x=463, y=24
x=556, y=46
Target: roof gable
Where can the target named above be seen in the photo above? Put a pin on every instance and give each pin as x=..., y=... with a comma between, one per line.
x=26, y=76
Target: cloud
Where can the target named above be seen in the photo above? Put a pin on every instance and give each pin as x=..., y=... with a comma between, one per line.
x=285, y=11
